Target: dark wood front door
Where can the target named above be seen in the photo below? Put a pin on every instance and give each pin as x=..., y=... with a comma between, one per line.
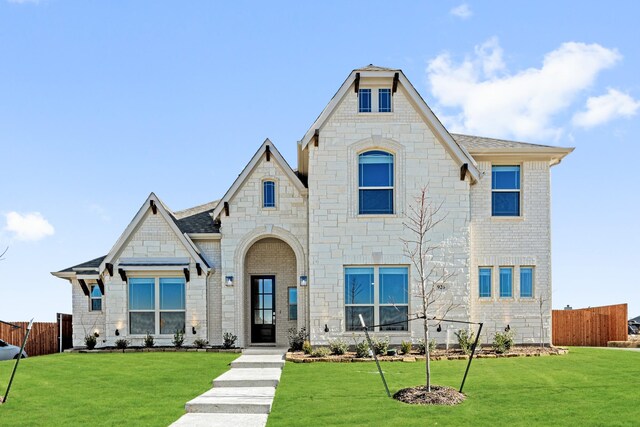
x=263, y=309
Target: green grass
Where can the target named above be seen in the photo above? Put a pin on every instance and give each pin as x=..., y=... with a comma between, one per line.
x=586, y=387
x=141, y=389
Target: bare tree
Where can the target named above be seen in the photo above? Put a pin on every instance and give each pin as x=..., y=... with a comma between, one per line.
x=542, y=299
x=3, y=253
x=428, y=258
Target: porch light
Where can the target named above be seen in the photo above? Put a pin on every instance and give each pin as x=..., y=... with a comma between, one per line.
x=96, y=334
x=117, y=333
x=229, y=280
x=326, y=327
x=193, y=330
x=303, y=280
x=507, y=329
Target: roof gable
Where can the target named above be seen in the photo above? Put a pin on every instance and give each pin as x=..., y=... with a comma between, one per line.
x=457, y=151
x=267, y=147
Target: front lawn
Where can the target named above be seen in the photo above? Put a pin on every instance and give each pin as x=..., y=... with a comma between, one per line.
x=586, y=387
x=141, y=389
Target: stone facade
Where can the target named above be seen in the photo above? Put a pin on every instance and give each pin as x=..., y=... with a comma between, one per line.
x=315, y=230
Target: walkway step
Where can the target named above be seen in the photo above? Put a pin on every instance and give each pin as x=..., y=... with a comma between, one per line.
x=249, y=377
x=265, y=350
x=221, y=420
x=258, y=361
x=234, y=400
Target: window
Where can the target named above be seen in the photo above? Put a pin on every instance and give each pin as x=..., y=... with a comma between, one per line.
x=485, y=282
x=505, y=191
x=506, y=282
x=375, y=182
x=364, y=100
x=156, y=305
x=384, y=100
x=379, y=294
x=293, y=303
x=96, y=298
x=268, y=194
x=526, y=282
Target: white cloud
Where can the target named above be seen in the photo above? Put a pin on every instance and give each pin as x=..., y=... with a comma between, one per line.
x=31, y=226
x=602, y=109
x=463, y=11
x=489, y=100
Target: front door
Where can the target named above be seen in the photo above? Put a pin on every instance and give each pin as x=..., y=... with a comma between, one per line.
x=263, y=309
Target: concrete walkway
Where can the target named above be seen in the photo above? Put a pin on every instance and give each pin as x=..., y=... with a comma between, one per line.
x=242, y=396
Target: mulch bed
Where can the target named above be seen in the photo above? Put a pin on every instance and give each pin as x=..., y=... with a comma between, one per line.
x=439, y=395
x=438, y=354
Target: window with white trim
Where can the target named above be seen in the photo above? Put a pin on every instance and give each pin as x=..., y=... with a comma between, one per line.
x=485, y=282
x=506, y=282
x=526, y=282
x=368, y=102
x=95, y=298
x=380, y=294
x=268, y=194
x=156, y=305
x=505, y=190
x=375, y=182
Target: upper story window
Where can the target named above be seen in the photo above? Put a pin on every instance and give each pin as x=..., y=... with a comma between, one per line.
x=485, y=282
x=506, y=282
x=96, y=298
x=375, y=182
x=364, y=100
x=505, y=191
x=268, y=194
x=156, y=305
x=368, y=102
x=526, y=282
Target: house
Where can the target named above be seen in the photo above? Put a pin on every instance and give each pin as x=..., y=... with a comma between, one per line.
x=318, y=245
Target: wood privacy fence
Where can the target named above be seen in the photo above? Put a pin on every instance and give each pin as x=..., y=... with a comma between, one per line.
x=593, y=326
x=44, y=337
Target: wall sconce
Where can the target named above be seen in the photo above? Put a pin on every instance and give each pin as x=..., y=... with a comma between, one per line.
x=228, y=280
x=96, y=334
x=326, y=327
x=193, y=330
x=117, y=333
x=439, y=329
x=303, y=280
x=507, y=329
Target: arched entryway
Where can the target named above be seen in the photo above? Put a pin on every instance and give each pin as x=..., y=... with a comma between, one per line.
x=270, y=291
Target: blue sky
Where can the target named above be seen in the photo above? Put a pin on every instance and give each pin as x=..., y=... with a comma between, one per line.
x=103, y=102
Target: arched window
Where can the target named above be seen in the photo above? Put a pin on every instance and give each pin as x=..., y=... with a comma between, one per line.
x=375, y=183
x=269, y=194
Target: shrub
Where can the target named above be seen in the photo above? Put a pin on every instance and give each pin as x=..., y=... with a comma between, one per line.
x=465, y=340
x=380, y=345
x=338, y=346
x=122, y=344
x=178, y=338
x=503, y=341
x=392, y=352
x=321, y=352
x=90, y=341
x=306, y=347
x=432, y=345
x=229, y=340
x=149, y=341
x=297, y=338
x=362, y=349
x=405, y=347
x=200, y=343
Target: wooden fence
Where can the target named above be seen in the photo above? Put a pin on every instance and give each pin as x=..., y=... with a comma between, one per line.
x=593, y=326
x=44, y=337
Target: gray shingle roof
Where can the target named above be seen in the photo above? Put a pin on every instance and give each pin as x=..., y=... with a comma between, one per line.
x=372, y=67
x=471, y=142
x=88, y=265
x=197, y=219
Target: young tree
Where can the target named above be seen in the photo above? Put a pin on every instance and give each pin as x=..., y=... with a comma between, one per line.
x=542, y=299
x=429, y=259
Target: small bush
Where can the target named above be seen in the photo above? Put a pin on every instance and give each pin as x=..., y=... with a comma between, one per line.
x=200, y=343
x=122, y=344
x=297, y=338
x=503, y=341
x=405, y=347
x=149, y=341
x=338, y=346
x=465, y=340
x=362, y=349
x=392, y=352
x=380, y=345
x=321, y=352
x=432, y=345
x=306, y=347
x=90, y=341
x=178, y=339
x=229, y=340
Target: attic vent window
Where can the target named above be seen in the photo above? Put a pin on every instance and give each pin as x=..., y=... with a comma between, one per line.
x=368, y=102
